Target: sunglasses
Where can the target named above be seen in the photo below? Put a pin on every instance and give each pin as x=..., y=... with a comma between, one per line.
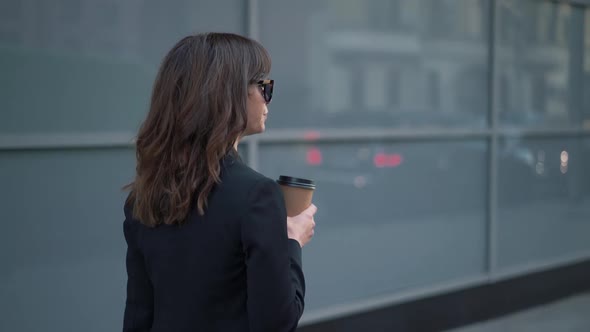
x=266, y=87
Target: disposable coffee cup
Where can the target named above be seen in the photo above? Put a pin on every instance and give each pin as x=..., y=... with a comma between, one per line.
x=298, y=193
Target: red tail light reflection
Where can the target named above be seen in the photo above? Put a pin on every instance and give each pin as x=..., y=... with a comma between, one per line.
x=314, y=157
x=382, y=160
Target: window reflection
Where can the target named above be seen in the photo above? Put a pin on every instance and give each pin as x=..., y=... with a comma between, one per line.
x=378, y=63
x=412, y=201
x=539, y=54
x=389, y=181
x=543, y=197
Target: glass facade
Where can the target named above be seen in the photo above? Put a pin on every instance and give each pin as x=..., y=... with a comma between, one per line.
x=449, y=139
x=544, y=197
x=353, y=64
x=85, y=66
x=378, y=208
x=540, y=58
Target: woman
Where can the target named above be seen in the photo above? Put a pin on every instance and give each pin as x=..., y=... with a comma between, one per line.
x=210, y=247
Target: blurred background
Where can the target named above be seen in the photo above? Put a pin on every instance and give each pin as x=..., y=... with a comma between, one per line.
x=448, y=139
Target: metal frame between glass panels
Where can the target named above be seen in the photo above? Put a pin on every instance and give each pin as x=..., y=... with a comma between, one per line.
x=109, y=140
x=492, y=205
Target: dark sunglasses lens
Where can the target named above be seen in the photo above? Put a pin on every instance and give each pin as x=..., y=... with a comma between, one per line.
x=265, y=93
x=268, y=91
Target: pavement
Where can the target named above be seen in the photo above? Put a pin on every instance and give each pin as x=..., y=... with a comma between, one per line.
x=567, y=315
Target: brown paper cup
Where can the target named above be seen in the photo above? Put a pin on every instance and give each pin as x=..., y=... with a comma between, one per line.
x=298, y=193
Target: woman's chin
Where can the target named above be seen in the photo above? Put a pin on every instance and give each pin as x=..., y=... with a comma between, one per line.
x=255, y=131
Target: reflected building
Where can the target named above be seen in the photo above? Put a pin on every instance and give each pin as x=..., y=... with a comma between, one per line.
x=431, y=61
x=401, y=68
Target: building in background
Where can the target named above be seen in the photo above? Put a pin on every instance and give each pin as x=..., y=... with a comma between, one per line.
x=449, y=140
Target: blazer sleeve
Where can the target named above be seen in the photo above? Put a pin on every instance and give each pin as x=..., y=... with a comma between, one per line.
x=275, y=281
x=139, y=306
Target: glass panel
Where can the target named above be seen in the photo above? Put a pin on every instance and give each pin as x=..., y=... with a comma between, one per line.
x=61, y=244
x=540, y=64
x=384, y=207
x=73, y=66
x=243, y=152
x=544, y=199
x=381, y=63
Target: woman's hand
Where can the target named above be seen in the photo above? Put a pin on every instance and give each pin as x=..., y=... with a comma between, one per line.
x=301, y=227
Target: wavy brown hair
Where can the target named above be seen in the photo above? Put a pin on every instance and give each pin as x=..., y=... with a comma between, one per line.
x=196, y=115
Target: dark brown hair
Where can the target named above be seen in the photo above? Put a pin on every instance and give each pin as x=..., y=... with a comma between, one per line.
x=197, y=113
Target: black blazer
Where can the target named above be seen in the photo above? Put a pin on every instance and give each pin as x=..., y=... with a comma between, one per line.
x=233, y=269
